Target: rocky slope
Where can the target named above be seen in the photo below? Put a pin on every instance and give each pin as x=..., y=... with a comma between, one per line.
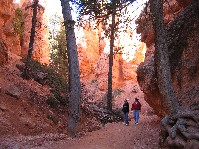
x=183, y=45
x=26, y=109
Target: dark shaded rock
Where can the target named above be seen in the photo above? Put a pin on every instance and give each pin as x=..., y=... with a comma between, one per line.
x=183, y=43
x=41, y=77
x=13, y=91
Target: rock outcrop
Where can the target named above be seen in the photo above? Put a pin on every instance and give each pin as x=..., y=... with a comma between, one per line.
x=6, y=12
x=94, y=61
x=41, y=51
x=183, y=39
x=15, y=26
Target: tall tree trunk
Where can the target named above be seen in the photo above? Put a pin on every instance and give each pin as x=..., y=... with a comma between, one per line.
x=74, y=74
x=162, y=59
x=109, y=95
x=25, y=73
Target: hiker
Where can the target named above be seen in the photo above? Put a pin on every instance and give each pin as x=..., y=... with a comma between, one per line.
x=136, y=108
x=125, y=109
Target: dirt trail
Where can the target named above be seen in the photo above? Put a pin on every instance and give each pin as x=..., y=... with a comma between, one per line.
x=115, y=136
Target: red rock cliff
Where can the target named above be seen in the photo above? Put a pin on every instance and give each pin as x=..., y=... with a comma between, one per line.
x=94, y=60
x=183, y=43
x=13, y=17
x=6, y=12
x=41, y=51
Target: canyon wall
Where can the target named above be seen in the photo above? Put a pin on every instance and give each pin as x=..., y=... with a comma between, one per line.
x=94, y=60
x=41, y=47
x=93, y=49
x=93, y=53
x=6, y=13
x=182, y=29
x=15, y=26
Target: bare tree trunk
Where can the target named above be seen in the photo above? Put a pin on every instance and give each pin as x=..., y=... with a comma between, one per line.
x=25, y=73
x=74, y=74
x=109, y=95
x=179, y=129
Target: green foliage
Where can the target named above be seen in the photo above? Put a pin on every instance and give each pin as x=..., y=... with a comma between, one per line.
x=58, y=84
x=115, y=93
x=55, y=80
x=18, y=22
x=58, y=53
x=54, y=23
x=53, y=102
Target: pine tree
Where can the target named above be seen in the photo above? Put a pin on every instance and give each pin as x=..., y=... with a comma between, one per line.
x=31, y=43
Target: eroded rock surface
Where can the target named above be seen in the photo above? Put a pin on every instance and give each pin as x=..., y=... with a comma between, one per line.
x=183, y=48
x=15, y=26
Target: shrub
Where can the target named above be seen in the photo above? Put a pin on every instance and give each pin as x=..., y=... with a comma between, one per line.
x=18, y=22
x=58, y=84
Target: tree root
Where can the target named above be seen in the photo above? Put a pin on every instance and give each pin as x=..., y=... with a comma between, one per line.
x=180, y=131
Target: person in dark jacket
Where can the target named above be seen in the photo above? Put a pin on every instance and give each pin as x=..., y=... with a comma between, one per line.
x=136, y=108
x=125, y=110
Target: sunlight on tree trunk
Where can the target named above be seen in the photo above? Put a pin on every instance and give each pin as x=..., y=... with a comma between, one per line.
x=180, y=128
x=74, y=74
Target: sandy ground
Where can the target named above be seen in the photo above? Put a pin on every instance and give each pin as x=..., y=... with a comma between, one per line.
x=115, y=136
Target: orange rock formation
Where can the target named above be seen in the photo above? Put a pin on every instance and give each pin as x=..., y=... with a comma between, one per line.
x=94, y=61
x=18, y=43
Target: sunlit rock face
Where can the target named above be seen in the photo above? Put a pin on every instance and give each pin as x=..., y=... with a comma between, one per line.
x=122, y=70
x=94, y=61
x=18, y=43
x=6, y=31
x=88, y=51
x=6, y=12
x=41, y=51
x=183, y=39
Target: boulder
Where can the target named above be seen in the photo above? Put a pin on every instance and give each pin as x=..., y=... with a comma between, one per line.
x=13, y=91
